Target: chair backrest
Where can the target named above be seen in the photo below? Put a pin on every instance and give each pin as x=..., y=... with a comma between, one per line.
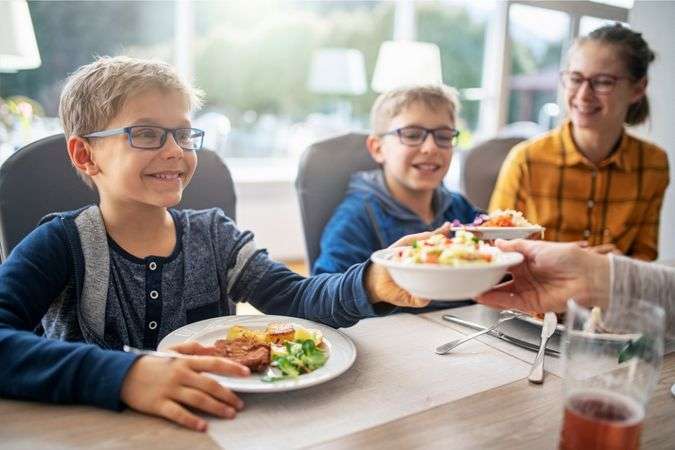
x=323, y=177
x=39, y=179
x=480, y=168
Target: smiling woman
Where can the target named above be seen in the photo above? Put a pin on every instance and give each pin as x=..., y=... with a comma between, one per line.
x=589, y=180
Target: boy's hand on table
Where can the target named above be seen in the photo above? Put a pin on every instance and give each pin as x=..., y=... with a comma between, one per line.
x=168, y=387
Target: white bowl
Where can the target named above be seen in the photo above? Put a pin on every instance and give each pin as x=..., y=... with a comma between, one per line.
x=440, y=282
x=506, y=233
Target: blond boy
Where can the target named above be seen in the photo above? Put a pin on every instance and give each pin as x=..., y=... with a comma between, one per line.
x=130, y=270
x=414, y=130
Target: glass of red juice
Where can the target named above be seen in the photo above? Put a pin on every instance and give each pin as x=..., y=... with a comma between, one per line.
x=611, y=363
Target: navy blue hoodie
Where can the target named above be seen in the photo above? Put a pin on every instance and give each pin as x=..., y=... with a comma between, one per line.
x=370, y=218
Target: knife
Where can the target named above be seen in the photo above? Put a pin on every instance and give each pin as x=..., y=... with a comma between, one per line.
x=537, y=372
x=498, y=334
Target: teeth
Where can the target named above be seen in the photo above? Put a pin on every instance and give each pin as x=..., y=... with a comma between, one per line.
x=166, y=176
x=426, y=166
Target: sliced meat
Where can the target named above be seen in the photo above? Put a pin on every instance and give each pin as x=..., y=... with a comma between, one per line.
x=246, y=351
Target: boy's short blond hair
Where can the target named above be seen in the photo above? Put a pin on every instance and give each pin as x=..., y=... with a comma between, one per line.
x=95, y=93
x=392, y=103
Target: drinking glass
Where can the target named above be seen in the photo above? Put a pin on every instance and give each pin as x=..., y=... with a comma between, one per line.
x=611, y=363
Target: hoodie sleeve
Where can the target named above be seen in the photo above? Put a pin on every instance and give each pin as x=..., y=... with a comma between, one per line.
x=349, y=238
x=37, y=368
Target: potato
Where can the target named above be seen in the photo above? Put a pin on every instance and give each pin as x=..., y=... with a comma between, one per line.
x=239, y=331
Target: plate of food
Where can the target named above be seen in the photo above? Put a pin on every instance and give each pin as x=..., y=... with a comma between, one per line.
x=283, y=353
x=442, y=268
x=594, y=325
x=501, y=224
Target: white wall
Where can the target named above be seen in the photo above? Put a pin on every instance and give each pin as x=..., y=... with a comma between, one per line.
x=270, y=210
x=655, y=20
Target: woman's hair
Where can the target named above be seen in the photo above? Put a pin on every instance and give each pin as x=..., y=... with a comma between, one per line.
x=636, y=56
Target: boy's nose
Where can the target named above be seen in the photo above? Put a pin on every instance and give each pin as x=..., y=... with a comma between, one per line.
x=429, y=144
x=171, y=147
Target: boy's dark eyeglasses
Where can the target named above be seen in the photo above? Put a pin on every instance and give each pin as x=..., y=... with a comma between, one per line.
x=153, y=138
x=414, y=136
x=600, y=84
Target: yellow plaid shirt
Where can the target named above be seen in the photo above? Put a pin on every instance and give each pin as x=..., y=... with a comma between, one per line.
x=617, y=201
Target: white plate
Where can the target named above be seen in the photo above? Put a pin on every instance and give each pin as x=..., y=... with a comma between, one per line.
x=535, y=321
x=341, y=351
x=501, y=232
x=561, y=327
x=443, y=282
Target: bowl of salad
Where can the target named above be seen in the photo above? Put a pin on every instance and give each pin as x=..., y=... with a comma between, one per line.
x=501, y=224
x=443, y=268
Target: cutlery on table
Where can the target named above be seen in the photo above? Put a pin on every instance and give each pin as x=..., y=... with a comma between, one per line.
x=547, y=330
x=499, y=335
x=503, y=317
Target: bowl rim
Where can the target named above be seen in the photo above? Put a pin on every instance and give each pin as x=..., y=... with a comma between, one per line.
x=506, y=259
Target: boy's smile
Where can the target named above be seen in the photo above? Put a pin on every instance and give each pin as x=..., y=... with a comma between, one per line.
x=128, y=175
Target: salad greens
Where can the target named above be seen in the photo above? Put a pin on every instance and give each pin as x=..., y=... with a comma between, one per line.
x=294, y=359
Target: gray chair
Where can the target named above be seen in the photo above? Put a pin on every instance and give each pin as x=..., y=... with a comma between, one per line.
x=480, y=168
x=323, y=177
x=39, y=179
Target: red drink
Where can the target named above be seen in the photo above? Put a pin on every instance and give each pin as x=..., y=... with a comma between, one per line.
x=601, y=420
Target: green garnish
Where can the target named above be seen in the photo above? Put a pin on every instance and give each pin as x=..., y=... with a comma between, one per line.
x=641, y=347
x=300, y=357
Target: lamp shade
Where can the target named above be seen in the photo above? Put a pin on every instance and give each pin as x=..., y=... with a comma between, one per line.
x=404, y=63
x=18, y=48
x=337, y=71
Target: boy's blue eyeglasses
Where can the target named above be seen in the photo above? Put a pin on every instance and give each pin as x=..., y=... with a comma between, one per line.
x=153, y=138
x=414, y=136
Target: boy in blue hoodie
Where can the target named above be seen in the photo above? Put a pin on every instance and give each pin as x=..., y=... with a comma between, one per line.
x=413, y=134
x=130, y=270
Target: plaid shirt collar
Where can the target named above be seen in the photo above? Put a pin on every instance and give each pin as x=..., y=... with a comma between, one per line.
x=573, y=156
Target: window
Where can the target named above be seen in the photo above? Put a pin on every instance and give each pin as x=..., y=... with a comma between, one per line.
x=537, y=40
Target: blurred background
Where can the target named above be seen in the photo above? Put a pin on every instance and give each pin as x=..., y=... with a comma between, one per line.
x=279, y=75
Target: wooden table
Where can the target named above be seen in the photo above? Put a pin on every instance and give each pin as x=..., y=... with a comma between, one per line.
x=513, y=416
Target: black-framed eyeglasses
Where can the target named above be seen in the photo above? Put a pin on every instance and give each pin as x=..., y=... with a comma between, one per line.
x=413, y=136
x=149, y=137
x=600, y=84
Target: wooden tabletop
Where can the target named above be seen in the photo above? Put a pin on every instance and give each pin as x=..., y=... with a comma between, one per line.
x=513, y=416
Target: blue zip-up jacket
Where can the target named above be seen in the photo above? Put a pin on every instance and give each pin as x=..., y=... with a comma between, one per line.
x=62, y=274
x=370, y=219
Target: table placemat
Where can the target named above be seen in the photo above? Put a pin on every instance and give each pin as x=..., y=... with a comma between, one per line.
x=396, y=374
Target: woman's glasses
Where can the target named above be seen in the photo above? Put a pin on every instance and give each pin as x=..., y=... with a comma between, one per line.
x=600, y=84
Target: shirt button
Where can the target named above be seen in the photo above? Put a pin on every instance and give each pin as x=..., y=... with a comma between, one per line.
x=587, y=233
x=153, y=265
x=154, y=295
x=152, y=325
x=591, y=203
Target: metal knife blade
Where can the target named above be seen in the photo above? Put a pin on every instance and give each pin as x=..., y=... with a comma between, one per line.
x=500, y=335
x=537, y=372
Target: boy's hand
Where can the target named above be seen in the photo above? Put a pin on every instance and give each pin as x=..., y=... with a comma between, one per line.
x=167, y=387
x=381, y=288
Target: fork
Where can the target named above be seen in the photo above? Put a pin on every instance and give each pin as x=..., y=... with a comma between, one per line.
x=505, y=316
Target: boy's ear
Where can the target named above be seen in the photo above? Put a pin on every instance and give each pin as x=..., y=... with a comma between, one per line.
x=374, y=145
x=81, y=156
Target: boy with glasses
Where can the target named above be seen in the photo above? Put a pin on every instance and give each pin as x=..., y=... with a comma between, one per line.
x=130, y=270
x=413, y=135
